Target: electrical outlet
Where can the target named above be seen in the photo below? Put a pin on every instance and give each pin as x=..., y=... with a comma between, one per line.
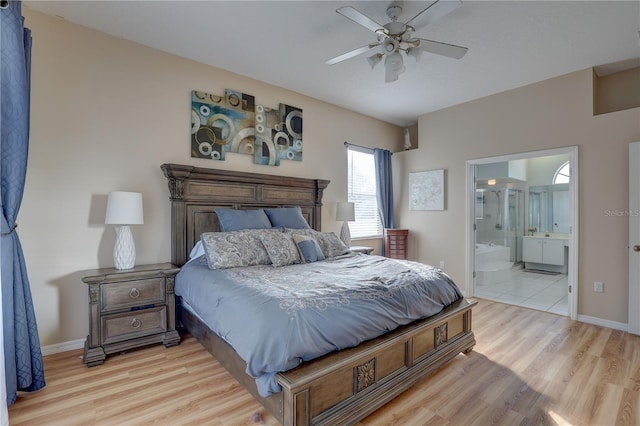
x=442, y=264
x=598, y=287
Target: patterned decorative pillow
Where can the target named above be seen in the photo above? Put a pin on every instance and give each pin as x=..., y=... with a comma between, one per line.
x=309, y=248
x=331, y=245
x=281, y=249
x=237, y=248
x=329, y=242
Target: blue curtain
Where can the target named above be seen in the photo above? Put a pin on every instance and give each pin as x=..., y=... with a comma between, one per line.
x=384, y=187
x=23, y=357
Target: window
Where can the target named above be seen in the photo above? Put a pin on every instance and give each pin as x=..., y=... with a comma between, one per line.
x=563, y=174
x=361, y=190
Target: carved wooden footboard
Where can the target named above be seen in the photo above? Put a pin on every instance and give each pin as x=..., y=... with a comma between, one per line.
x=345, y=386
x=340, y=387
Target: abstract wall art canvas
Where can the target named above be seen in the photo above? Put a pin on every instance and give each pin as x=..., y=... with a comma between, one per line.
x=426, y=190
x=234, y=123
x=221, y=124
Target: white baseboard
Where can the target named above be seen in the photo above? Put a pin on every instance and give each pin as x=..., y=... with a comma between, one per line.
x=62, y=347
x=604, y=323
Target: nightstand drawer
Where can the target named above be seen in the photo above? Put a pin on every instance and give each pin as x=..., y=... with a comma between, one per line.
x=129, y=325
x=128, y=294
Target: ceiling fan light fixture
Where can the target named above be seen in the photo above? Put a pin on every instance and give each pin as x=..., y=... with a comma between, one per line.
x=394, y=61
x=415, y=53
x=390, y=45
x=394, y=66
x=397, y=36
x=391, y=74
x=374, y=60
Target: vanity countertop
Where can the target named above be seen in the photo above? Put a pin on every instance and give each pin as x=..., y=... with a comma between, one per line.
x=551, y=236
x=556, y=235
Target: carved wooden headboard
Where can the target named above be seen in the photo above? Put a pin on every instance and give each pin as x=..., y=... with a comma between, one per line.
x=195, y=193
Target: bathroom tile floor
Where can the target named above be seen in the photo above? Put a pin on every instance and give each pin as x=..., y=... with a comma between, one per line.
x=529, y=289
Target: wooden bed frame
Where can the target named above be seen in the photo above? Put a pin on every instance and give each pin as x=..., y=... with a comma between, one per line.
x=338, y=388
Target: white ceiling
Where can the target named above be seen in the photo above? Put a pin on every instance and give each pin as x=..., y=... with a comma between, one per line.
x=286, y=43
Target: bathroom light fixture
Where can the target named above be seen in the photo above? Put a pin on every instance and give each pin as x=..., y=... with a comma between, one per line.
x=345, y=212
x=124, y=208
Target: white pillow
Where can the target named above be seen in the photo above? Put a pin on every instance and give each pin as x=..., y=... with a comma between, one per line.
x=196, y=251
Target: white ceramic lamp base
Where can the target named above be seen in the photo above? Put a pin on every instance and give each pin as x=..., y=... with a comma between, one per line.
x=345, y=234
x=124, y=252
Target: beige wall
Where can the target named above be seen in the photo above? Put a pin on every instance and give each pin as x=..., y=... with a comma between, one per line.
x=550, y=114
x=618, y=91
x=105, y=113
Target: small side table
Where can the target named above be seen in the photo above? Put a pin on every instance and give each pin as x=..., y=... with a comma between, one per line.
x=361, y=249
x=129, y=308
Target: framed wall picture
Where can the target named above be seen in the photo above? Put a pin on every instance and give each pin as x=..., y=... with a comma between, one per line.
x=426, y=190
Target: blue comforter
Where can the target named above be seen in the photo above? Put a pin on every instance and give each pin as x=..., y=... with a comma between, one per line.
x=277, y=317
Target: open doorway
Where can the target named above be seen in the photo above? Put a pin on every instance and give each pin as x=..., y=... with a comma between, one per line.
x=522, y=213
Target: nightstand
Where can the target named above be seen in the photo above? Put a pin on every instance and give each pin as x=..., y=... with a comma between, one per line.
x=361, y=249
x=129, y=309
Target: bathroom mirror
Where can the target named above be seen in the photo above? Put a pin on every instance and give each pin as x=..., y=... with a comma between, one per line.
x=549, y=207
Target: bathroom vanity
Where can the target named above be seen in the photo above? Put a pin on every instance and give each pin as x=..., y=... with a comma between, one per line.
x=546, y=253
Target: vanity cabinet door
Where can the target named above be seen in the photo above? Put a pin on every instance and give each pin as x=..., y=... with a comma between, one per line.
x=532, y=250
x=553, y=252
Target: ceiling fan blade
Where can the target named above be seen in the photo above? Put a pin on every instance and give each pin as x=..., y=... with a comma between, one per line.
x=361, y=19
x=351, y=54
x=437, y=10
x=444, y=49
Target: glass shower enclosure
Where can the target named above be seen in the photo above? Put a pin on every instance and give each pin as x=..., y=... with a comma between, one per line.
x=500, y=219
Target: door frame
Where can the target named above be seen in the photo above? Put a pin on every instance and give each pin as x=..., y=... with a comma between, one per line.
x=634, y=238
x=572, y=269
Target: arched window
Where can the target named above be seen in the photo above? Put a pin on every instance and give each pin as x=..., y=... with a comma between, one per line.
x=563, y=174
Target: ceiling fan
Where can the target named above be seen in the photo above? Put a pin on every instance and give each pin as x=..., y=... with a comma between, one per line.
x=396, y=36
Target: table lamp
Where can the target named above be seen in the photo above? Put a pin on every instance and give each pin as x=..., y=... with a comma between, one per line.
x=124, y=208
x=345, y=212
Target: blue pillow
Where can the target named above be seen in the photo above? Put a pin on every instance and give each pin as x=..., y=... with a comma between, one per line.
x=309, y=248
x=289, y=217
x=236, y=220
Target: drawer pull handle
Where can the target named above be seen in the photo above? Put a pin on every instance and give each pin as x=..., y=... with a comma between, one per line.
x=136, y=323
x=134, y=293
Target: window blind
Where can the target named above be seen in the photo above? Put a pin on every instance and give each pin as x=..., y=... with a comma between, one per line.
x=362, y=191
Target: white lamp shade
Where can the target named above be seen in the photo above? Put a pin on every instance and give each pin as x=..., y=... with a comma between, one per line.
x=124, y=208
x=346, y=212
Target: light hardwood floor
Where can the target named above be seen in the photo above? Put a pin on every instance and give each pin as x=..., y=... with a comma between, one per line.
x=528, y=367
